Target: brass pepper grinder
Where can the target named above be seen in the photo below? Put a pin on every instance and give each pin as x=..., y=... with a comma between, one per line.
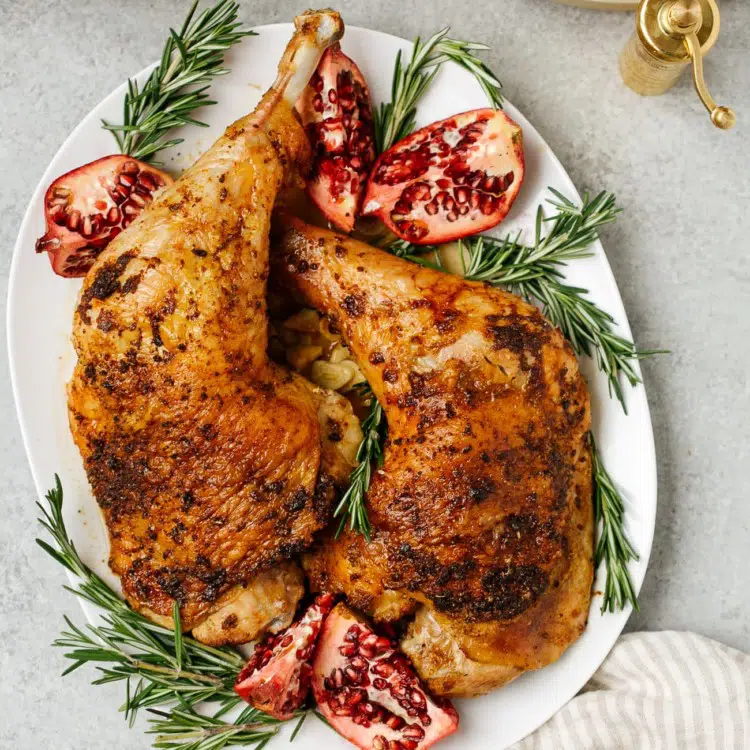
x=669, y=34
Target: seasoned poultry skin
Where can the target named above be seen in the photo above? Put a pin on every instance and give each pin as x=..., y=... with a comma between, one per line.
x=482, y=511
x=206, y=459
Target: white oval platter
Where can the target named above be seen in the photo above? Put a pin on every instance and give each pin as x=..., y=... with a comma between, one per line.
x=40, y=310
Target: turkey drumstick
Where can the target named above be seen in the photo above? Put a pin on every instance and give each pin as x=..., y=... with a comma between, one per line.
x=481, y=513
x=206, y=459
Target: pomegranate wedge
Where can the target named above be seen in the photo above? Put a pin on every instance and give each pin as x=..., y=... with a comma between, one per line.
x=336, y=112
x=368, y=691
x=87, y=208
x=454, y=178
x=276, y=680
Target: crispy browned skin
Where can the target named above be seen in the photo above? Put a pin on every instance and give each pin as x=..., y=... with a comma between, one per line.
x=206, y=459
x=482, y=511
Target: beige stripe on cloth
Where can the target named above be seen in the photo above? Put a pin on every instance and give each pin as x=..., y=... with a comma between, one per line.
x=657, y=691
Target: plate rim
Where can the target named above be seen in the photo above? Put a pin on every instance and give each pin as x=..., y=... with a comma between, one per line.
x=647, y=505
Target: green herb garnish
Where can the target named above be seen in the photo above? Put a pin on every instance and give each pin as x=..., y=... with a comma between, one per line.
x=179, y=83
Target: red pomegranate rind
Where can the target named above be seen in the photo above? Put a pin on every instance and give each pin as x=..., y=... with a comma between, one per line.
x=451, y=179
x=276, y=679
x=368, y=690
x=336, y=111
x=87, y=208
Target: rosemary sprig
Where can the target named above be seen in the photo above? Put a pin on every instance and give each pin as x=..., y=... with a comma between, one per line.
x=534, y=272
x=160, y=667
x=179, y=83
x=612, y=546
x=396, y=119
x=186, y=729
x=352, y=507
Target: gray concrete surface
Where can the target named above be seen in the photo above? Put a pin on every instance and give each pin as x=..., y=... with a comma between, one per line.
x=680, y=255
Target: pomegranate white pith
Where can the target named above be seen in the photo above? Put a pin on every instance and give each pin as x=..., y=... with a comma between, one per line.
x=276, y=679
x=451, y=179
x=88, y=207
x=369, y=692
x=336, y=111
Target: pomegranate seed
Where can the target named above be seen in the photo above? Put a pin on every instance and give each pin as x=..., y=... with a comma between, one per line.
x=113, y=215
x=147, y=181
x=417, y=698
x=383, y=668
x=96, y=223
x=57, y=214
x=395, y=722
x=431, y=208
x=463, y=210
x=139, y=200
x=490, y=184
x=332, y=96
x=359, y=663
x=74, y=218
x=123, y=192
x=379, y=742
x=130, y=210
x=318, y=103
x=61, y=192
x=462, y=194
x=101, y=205
x=509, y=179
x=130, y=167
x=127, y=180
x=356, y=697
x=475, y=199
x=425, y=719
x=451, y=216
x=395, y=745
x=414, y=731
x=443, y=183
x=488, y=206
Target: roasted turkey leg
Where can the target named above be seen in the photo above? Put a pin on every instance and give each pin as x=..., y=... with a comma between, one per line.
x=482, y=511
x=206, y=459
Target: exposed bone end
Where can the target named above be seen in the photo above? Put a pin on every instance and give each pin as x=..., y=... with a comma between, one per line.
x=316, y=30
x=325, y=24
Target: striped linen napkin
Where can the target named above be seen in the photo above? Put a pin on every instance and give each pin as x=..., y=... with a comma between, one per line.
x=657, y=691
